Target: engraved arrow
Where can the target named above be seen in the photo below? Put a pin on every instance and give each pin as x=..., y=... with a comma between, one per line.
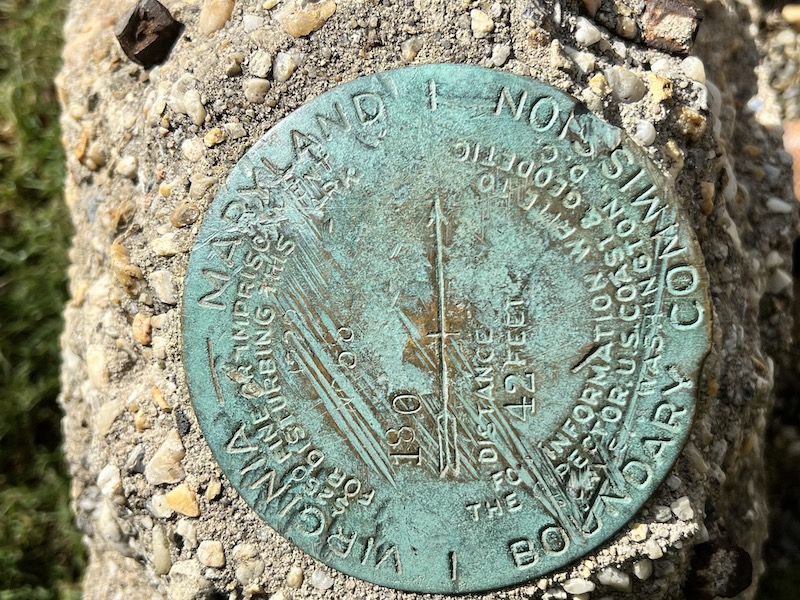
x=445, y=423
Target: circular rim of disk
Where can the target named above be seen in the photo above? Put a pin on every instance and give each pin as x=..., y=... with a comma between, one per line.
x=443, y=328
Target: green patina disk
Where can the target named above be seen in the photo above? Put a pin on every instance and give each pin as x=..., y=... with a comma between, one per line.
x=443, y=328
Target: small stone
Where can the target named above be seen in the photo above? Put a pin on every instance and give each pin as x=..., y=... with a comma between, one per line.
x=645, y=133
x=660, y=87
x=707, y=193
x=140, y=421
x=96, y=365
x=410, y=48
x=615, y=579
x=690, y=123
x=500, y=54
x=320, y=580
x=213, y=490
x=694, y=69
x=586, y=33
x=599, y=85
x=214, y=15
x=214, y=137
x=682, y=509
x=260, y=64
x=779, y=281
x=638, y=532
x=184, y=214
x=200, y=184
x=193, y=106
x=652, y=549
x=234, y=130
x=779, y=206
x=626, y=85
x=299, y=20
x=670, y=25
x=183, y=500
x=159, y=508
x=283, y=67
x=106, y=416
x=109, y=481
x=249, y=571
x=294, y=579
x=252, y=22
x=160, y=400
x=127, y=167
x=164, y=286
x=165, y=466
x=211, y=554
x=255, y=90
x=162, y=561
x=166, y=245
x=233, y=64
x=107, y=525
x=577, y=586
x=643, y=568
x=591, y=6
x=193, y=149
x=187, y=530
x=187, y=581
x=142, y=328
x=134, y=462
x=662, y=514
x=586, y=61
x=480, y=23
x=147, y=32
x=554, y=593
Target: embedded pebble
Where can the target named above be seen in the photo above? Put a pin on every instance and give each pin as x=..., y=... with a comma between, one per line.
x=110, y=482
x=299, y=20
x=188, y=532
x=660, y=87
x=251, y=22
x=214, y=137
x=249, y=571
x=162, y=561
x=500, y=54
x=320, y=580
x=283, y=67
x=165, y=466
x=193, y=149
x=682, y=508
x=577, y=586
x=165, y=245
x=107, y=524
x=691, y=123
x=777, y=205
x=638, y=532
x=159, y=508
x=193, y=105
x=625, y=84
x=778, y=281
x=255, y=90
x=294, y=578
x=599, y=85
x=586, y=33
x=187, y=581
x=214, y=15
x=643, y=568
x=127, y=167
x=693, y=68
x=662, y=514
x=554, y=593
x=615, y=579
x=96, y=365
x=586, y=61
x=645, y=132
x=410, y=48
x=183, y=500
x=211, y=554
x=213, y=490
x=480, y=23
x=233, y=64
x=234, y=130
x=260, y=64
x=142, y=329
x=200, y=184
x=184, y=214
x=106, y=416
x=164, y=286
x=652, y=549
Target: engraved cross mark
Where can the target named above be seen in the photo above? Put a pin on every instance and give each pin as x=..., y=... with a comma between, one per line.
x=445, y=423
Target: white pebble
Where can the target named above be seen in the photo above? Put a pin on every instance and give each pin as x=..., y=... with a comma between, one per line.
x=234, y=130
x=778, y=205
x=586, y=61
x=127, y=167
x=586, y=33
x=693, y=69
x=162, y=562
x=110, y=482
x=320, y=580
x=294, y=579
x=778, y=281
x=683, y=508
x=211, y=554
x=578, y=586
x=255, y=90
x=645, y=133
x=251, y=22
x=662, y=514
x=480, y=23
x=652, y=549
x=500, y=54
x=260, y=64
x=643, y=568
x=194, y=107
x=615, y=579
x=165, y=466
x=284, y=66
x=410, y=48
x=193, y=149
x=625, y=84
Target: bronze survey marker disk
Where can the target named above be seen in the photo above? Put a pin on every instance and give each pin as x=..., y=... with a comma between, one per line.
x=443, y=328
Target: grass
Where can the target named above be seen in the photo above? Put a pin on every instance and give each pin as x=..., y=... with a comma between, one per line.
x=41, y=556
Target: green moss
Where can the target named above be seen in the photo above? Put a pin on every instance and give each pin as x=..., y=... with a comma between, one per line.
x=40, y=551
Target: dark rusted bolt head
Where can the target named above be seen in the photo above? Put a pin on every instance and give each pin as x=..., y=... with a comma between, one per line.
x=147, y=33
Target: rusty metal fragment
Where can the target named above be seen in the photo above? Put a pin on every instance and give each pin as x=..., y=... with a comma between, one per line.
x=670, y=25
